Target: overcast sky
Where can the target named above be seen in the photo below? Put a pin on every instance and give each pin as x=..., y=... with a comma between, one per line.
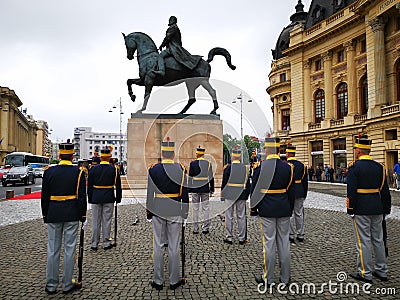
x=66, y=60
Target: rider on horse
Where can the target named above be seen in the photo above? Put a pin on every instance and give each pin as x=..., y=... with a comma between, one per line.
x=173, y=44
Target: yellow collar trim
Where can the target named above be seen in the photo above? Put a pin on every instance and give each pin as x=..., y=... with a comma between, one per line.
x=271, y=156
x=65, y=163
x=167, y=161
x=104, y=163
x=365, y=157
x=291, y=158
x=201, y=158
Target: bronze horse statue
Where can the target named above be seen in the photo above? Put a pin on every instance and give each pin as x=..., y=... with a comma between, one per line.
x=175, y=73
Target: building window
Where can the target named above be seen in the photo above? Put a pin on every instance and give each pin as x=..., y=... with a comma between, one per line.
x=398, y=80
x=90, y=153
x=363, y=46
x=342, y=100
x=364, y=95
x=339, y=144
x=285, y=119
x=90, y=147
x=391, y=135
x=340, y=56
x=319, y=105
x=103, y=142
x=282, y=77
x=318, y=64
x=317, y=146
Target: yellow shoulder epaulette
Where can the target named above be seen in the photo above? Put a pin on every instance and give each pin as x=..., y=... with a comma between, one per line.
x=350, y=164
x=183, y=167
x=46, y=167
x=226, y=166
x=151, y=166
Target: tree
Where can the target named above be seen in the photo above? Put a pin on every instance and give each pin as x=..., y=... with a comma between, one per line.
x=249, y=145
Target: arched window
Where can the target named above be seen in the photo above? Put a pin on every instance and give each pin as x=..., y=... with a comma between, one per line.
x=342, y=100
x=398, y=80
x=364, y=95
x=319, y=105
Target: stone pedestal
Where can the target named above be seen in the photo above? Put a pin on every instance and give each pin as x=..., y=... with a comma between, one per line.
x=146, y=131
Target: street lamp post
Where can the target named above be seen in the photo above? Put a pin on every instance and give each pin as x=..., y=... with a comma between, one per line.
x=120, y=125
x=240, y=98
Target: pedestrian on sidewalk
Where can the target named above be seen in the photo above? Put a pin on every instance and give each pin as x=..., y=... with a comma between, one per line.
x=104, y=188
x=167, y=207
x=318, y=173
x=396, y=170
x=63, y=203
x=368, y=199
x=301, y=188
x=235, y=189
x=201, y=185
x=339, y=174
x=272, y=198
x=331, y=171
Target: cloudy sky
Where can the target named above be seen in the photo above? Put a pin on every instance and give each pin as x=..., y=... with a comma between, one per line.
x=66, y=60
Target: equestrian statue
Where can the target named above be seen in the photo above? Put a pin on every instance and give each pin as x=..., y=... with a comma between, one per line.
x=171, y=66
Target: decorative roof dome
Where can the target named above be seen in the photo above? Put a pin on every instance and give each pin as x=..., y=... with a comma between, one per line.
x=299, y=16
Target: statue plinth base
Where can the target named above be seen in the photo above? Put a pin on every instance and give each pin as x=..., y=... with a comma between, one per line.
x=147, y=131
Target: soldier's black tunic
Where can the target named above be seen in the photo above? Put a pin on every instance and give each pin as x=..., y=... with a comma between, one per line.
x=201, y=179
x=300, y=178
x=276, y=175
x=235, y=181
x=62, y=182
x=101, y=182
x=167, y=192
x=367, y=189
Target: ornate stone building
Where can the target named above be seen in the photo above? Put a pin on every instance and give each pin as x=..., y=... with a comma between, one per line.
x=43, y=143
x=336, y=74
x=17, y=131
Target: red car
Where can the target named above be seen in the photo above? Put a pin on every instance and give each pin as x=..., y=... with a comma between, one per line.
x=4, y=169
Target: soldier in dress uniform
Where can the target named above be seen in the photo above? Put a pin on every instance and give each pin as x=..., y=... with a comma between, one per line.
x=201, y=183
x=368, y=199
x=272, y=198
x=63, y=205
x=103, y=179
x=301, y=186
x=95, y=158
x=167, y=207
x=235, y=190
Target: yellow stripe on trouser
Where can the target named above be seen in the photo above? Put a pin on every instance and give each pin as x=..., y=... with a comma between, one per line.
x=360, y=246
x=63, y=198
x=103, y=186
x=367, y=191
x=264, y=252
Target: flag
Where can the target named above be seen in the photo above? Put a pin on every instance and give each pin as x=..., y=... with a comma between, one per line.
x=1, y=141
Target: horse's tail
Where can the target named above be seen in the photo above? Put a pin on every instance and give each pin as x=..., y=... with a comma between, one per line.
x=223, y=52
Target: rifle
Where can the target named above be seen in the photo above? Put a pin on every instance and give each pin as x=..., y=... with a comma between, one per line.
x=384, y=229
x=115, y=225
x=80, y=255
x=183, y=250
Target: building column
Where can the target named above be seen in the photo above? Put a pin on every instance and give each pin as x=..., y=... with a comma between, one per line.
x=352, y=78
x=308, y=107
x=276, y=117
x=378, y=26
x=329, y=104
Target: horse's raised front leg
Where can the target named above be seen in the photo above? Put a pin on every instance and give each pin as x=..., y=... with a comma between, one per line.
x=206, y=84
x=129, y=82
x=148, y=86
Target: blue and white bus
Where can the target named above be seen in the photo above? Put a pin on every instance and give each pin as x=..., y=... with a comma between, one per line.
x=19, y=159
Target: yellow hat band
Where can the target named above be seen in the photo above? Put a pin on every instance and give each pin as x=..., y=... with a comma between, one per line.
x=70, y=151
x=235, y=155
x=165, y=148
x=361, y=146
x=200, y=152
x=272, y=144
x=105, y=154
x=291, y=150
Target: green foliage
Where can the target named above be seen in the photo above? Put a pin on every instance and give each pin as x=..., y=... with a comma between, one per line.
x=54, y=161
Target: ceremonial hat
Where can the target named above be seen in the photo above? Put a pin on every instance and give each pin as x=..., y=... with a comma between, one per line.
x=106, y=152
x=290, y=148
x=272, y=142
x=66, y=148
x=200, y=150
x=236, y=153
x=362, y=142
x=168, y=146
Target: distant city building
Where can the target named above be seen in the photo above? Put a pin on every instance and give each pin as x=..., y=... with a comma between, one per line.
x=17, y=130
x=87, y=142
x=43, y=143
x=336, y=74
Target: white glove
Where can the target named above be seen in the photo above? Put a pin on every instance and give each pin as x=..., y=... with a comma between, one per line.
x=84, y=225
x=352, y=216
x=184, y=222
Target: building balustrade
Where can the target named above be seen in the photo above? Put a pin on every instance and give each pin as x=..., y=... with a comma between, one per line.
x=313, y=126
x=337, y=122
x=359, y=118
x=390, y=109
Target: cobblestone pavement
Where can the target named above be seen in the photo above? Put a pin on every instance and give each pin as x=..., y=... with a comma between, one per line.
x=214, y=270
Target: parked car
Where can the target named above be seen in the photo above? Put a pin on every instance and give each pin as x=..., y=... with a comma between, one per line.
x=15, y=175
x=38, y=172
x=4, y=169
